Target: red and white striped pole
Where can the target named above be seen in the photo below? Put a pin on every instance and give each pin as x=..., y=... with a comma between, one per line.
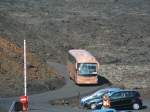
x=24, y=99
x=25, y=70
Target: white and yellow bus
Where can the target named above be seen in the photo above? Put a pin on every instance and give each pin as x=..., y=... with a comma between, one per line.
x=82, y=67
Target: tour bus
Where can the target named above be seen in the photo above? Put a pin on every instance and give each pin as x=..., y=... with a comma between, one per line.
x=82, y=67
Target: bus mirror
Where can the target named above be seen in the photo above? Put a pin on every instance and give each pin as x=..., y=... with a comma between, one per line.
x=76, y=66
x=79, y=69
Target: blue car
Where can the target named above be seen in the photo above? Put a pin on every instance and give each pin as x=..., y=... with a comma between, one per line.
x=119, y=99
x=125, y=99
x=95, y=100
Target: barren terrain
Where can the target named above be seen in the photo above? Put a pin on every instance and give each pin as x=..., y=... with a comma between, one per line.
x=117, y=32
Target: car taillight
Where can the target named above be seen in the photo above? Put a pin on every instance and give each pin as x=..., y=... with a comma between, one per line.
x=140, y=98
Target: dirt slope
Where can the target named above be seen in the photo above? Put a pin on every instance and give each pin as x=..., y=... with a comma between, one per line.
x=40, y=77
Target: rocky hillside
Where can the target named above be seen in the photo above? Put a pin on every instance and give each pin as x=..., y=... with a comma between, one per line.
x=117, y=32
x=127, y=76
x=40, y=77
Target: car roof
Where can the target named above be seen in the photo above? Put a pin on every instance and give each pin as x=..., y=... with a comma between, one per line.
x=126, y=90
x=109, y=89
x=121, y=90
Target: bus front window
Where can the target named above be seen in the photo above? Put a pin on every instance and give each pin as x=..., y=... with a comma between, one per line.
x=87, y=69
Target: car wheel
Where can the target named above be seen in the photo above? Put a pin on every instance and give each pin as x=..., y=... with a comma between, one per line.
x=136, y=106
x=93, y=106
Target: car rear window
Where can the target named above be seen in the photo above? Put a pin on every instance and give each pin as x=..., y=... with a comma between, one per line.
x=136, y=94
x=132, y=94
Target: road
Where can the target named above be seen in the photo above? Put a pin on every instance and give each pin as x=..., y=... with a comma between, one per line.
x=40, y=102
x=69, y=90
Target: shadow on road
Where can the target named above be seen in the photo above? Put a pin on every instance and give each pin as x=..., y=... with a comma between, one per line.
x=130, y=109
x=101, y=81
x=144, y=107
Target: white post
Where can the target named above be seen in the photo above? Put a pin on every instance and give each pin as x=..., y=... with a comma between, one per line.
x=25, y=71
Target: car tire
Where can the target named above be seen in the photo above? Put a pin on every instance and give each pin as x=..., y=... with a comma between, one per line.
x=136, y=106
x=93, y=106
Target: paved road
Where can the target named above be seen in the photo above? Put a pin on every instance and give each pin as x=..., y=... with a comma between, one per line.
x=39, y=102
x=69, y=90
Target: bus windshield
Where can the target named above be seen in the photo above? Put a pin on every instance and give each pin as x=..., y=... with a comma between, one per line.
x=87, y=69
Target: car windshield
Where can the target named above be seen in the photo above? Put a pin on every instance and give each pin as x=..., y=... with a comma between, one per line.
x=87, y=69
x=102, y=93
x=99, y=93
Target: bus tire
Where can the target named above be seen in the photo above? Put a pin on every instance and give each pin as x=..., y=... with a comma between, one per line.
x=70, y=76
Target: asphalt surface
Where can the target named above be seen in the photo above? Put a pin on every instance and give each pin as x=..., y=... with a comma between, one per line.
x=40, y=102
x=69, y=90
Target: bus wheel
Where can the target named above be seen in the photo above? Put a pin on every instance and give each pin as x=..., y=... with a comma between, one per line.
x=70, y=76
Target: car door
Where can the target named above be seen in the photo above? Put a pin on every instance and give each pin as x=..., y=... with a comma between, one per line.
x=127, y=100
x=116, y=99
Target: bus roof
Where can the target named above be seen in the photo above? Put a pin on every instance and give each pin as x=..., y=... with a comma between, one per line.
x=82, y=56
